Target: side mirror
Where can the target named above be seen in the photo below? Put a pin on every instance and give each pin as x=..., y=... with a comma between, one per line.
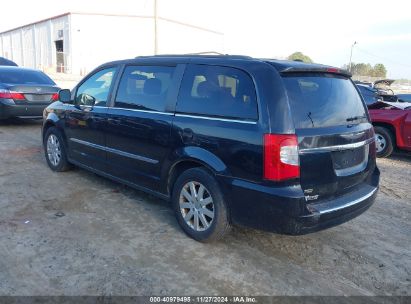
x=65, y=96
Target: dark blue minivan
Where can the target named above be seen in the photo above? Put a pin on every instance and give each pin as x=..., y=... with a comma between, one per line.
x=282, y=146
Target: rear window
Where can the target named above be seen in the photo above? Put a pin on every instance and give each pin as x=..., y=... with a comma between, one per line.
x=323, y=100
x=24, y=77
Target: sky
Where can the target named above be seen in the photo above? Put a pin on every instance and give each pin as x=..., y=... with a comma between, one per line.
x=323, y=30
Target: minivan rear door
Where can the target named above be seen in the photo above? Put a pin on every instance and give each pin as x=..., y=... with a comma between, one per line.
x=336, y=139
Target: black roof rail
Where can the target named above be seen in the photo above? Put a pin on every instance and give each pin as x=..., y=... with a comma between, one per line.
x=206, y=53
x=198, y=55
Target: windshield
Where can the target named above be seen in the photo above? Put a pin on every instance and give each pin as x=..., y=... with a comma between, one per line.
x=24, y=77
x=323, y=100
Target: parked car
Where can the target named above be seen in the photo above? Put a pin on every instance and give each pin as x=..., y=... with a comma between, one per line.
x=5, y=61
x=380, y=87
x=384, y=90
x=25, y=92
x=392, y=125
x=369, y=94
x=277, y=145
x=404, y=97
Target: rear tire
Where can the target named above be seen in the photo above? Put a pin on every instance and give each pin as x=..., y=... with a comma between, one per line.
x=199, y=206
x=55, y=150
x=384, y=141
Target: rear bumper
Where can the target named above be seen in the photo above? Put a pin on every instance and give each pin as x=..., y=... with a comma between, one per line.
x=285, y=210
x=9, y=109
x=334, y=212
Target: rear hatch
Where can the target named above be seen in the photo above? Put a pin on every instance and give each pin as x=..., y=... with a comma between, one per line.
x=335, y=137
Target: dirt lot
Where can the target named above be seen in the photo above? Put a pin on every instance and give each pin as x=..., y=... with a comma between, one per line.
x=75, y=233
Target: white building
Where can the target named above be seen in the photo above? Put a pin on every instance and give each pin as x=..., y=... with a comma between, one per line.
x=78, y=42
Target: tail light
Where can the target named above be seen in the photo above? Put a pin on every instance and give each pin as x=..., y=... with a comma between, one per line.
x=281, y=160
x=17, y=96
x=6, y=94
x=55, y=97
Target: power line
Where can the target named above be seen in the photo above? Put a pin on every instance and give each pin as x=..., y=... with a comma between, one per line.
x=383, y=58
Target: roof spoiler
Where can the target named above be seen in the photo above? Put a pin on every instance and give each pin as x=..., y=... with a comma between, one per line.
x=316, y=70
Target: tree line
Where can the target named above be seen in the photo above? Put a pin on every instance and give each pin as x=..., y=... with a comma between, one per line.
x=366, y=69
x=360, y=69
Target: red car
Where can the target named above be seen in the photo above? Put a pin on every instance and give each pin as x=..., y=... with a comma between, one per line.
x=392, y=125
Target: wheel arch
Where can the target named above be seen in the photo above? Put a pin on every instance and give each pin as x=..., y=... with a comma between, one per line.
x=52, y=120
x=390, y=128
x=182, y=165
x=192, y=157
x=47, y=125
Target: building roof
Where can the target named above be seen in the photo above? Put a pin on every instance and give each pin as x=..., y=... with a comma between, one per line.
x=112, y=15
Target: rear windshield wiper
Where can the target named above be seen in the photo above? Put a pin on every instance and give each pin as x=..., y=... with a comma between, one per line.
x=356, y=118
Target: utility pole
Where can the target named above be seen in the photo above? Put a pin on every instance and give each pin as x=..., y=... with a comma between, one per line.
x=349, y=66
x=155, y=28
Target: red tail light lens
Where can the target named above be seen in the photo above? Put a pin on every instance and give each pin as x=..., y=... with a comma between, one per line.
x=333, y=70
x=55, y=97
x=17, y=96
x=281, y=160
x=5, y=94
x=11, y=95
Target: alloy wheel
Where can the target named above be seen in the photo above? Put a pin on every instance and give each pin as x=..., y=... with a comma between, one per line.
x=380, y=142
x=53, y=150
x=196, y=206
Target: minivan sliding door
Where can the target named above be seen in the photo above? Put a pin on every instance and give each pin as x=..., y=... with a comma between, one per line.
x=139, y=124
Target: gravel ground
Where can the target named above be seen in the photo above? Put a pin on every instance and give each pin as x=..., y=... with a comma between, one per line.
x=76, y=233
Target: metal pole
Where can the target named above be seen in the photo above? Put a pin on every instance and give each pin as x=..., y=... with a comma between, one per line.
x=350, y=64
x=22, y=48
x=155, y=28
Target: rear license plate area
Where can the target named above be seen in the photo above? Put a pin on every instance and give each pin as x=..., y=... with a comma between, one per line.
x=348, y=158
x=38, y=97
x=348, y=162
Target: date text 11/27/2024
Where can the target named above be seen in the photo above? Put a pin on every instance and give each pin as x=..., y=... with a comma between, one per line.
x=204, y=299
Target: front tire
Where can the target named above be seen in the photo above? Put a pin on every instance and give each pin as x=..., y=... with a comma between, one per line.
x=384, y=141
x=55, y=150
x=199, y=206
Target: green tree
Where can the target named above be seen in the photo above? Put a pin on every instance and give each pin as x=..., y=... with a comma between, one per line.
x=362, y=69
x=380, y=70
x=365, y=69
x=300, y=56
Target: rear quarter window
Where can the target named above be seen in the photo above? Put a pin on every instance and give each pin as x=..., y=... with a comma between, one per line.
x=217, y=91
x=323, y=100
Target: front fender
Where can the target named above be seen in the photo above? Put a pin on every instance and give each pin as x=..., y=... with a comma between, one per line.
x=50, y=118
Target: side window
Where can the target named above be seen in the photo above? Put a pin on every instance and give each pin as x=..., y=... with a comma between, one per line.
x=217, y=91
x=94, y=91
x=144, y=87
